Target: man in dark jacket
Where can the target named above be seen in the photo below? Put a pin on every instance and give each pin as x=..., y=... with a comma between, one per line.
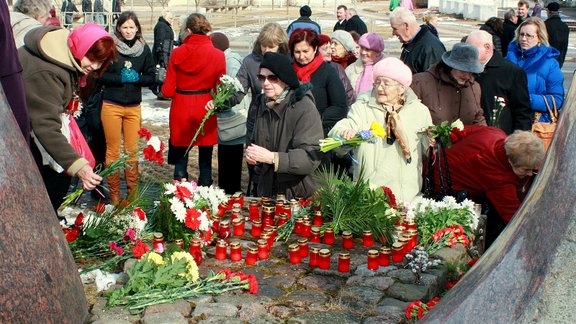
x=558, y=31
x=163, y=45
x=354, y=23
x=503, y=79
x=341, y=16
x=304, y=21
x=68, y=8
x=510, y=20
x=420, y=48
x=522, y=11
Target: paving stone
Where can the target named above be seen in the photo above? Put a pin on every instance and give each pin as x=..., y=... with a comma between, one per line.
x=251, y=311
x=336, y=317
x=380, y=283
x=219, y=320
x=288, y=269
x=394, y=302
x=283, y=281
x=219, y=309
x=303, y=298
x=363, y=270
x=181, y=306
x=454, y=254
x=267, y=264
x=403, y=275
x=332, y=272
x=282, y=311
x=102, y=313
x=359, y=297
x=164, y=318
x=111, y=322
x=240, y=299
x=202, y=299
x=270, y=291
x=408, y=292
x=320, y=282
x=129, y=264
x=388, y=319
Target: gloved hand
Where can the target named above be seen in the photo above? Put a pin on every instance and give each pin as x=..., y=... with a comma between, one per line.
x=129, y=75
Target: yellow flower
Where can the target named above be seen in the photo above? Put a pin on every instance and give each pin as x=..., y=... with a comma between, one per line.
x=191, y=267
x=377, y=130
x=155, y=258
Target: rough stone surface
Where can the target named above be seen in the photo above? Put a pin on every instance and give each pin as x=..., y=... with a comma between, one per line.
x=115, y=314
x=324, y=317
x=454, y=254
x=270, y=291
x=281, y=281
x=408, y=292
x=181, y=306
x=113, y=321
x=220, y=309
x=387, y=318
x=220, y=320
x=129, y=264
x=307, y=297
x=282, y=311
x=320, y=282
x=251, y=311
x=240, y=299
x=394, y=302
x=203, y=299
x=164, y=318
x=290, y=269
x=403, y=275
x=363, y=271
x=359, y=296
x=380, y=283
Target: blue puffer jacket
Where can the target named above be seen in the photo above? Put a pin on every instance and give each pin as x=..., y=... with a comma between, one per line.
x=544, y=75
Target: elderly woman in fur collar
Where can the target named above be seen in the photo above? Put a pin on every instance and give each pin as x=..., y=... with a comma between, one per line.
x=285, y=142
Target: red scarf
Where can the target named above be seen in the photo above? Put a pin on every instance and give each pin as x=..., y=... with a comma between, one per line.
x=346, y=60
x=305, y=72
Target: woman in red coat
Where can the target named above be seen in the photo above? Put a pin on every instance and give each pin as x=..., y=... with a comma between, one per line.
x=194, y=69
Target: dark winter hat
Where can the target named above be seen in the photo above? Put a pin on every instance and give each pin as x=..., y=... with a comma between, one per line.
x=305, y=11
x=463, y=57
x=281, y=66
x=553, y=6
x=220, y=41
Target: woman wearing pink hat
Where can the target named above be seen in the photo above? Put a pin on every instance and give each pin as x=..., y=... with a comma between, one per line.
x=56, y=63
x=396, y=161
x=360, y=73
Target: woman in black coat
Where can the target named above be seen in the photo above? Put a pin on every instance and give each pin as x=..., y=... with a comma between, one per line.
x=163, y=45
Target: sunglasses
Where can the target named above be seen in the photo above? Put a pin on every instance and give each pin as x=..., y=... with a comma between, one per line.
x=272, y=78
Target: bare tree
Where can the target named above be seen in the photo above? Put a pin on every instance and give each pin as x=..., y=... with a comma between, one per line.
x=163, y=3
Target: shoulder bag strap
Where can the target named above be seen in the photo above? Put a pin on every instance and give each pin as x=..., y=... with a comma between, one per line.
x=553, y=114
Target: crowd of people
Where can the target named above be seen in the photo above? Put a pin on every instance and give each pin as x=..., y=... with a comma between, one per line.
x=304, y=86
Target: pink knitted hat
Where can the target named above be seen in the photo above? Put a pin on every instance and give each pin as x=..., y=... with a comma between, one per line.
x=394, y=69
x=82, y=38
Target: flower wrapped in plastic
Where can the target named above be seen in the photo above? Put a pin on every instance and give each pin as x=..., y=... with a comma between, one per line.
x=446, y=133
x=364, y=136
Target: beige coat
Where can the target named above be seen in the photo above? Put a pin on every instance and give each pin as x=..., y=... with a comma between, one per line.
x=384, y=164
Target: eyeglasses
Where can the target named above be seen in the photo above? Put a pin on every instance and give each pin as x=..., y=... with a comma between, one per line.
x=527, y=36
x=272, y=78
x=385, y=84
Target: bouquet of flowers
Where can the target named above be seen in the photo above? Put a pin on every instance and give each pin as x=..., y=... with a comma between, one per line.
x=185, y=210
x=449, y=237
x=225, y=89
x=418, y=309
x=446, y=133
x=432, y=216
x=499, y=105
x=370, y=135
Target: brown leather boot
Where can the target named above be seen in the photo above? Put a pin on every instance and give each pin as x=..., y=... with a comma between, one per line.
x=131, y=175
x=114, y=188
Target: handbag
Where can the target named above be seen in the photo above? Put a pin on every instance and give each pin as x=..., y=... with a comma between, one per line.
x=160, y=74
x=438, y=155
x=232, y=126
x=545, y=130
x=93, y=109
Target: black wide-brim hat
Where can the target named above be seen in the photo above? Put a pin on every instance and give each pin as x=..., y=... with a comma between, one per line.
x=282, y=67
x=463, y=57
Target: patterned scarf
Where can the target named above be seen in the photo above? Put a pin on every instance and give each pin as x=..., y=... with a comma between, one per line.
x=132, y=51
x=396, y=131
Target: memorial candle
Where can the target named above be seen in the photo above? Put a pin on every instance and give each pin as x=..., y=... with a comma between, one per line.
x=222, y=208
x=344, y=262
x=384, y=257
x=397, y=253
x=347, y=240
x=235, y=251
x=324, y=259
x=180, y=243
x=294, y=252
x=224, y=231
x=314, y=255
x=306, y=227
x=236, y=213
x=254, y=210
x=282, y=219
x=367, y=238
x=252, y=255
x=266, y=236
x=238, y=226
x=318, y=220
x=221, y=250
x=158, y=242
x=262, y=249
x=298, y=225
x=196, y=250
x=315, y=234
x=373, y=262
x=303, y=244
x=279, y=208
x=256, y=228
x=329, y=236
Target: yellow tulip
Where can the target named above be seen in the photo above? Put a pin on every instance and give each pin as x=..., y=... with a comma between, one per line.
x=377, y=130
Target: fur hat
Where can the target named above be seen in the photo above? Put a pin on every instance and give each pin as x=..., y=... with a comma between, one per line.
x=281, y=66
x=463, y=57
x=344, y=38
x=220, y=41
x=372, y=41
x=394, y=69
x=305, y=11
x=82, y=38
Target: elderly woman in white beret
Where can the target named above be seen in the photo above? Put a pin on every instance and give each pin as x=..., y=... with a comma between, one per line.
x=396, y=161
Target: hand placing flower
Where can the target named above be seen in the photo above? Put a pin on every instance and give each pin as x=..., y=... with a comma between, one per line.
x=353, y=138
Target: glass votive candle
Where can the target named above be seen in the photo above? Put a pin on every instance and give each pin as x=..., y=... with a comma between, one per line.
x=298, y=225
x=235, y=251
x=373, y=262
x=282, y=219
x=413, y=236
x=256, y=229
x=238, y=198
x=224, y=231
x=344, y=262
x=280, y=197
x=196, y=250
x=294, y=253
x=306, y=228
x=318, y=220
x=405, y=244
x=384, y=256
x=303, y=244
x=397, y=252
x=222, y=208
x=265, y=201
x=221, y=250
x=267, y=212
x=347, y=240
x=262, y=249
x=215, y=223
x=279, y=208
x=329, y=236
x=287, y=210
x=266, y=236
x=315, y=234
x=252, y=255
x=410, y=225
x=180, y=243
x=236, y=213
x=273, y=230
x=254, y=210
x=314, y=255
x=238, y=226
x=158, y=243
x=367, y=238
x=294, y=207
x=324, y=259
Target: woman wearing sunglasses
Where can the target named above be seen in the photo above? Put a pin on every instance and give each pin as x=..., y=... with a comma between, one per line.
x=284, y=150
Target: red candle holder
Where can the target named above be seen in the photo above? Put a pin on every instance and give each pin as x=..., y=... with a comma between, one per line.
x=180, y=243
x=268, y=238
x=287, y=210
x=367, y=238
x=279, y=208
x=267, y=213
x=314, y=256
x=306, y=228
x=405, y=244
x=158, y=243
x=347, y=240
x=294, y=252
x=298, y=225
x=222, y=208
x=280, y=197
x=413, y=236
x=221, y=250
x=282, y=219
x=224, y=231
x=235, y=251
x=315, y=234
x=410, y=225
x=324, y=259
x=397, y=252
x=238, y=198
x=373, y=262
x=256, y=229
x=252, y=255
x=265, y=201
x=273, y=230
x=215, y=223
x=238, y=226
x=262, y=249
x=196, y=250
x=344, y=262
x=303, y=244
x=329, y=236
x=384, y=256
x=318, y=219
x=254, y=210
x=236, y=213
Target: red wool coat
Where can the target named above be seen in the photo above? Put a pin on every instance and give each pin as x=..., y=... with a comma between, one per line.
x=479, y=165
x=196, y=65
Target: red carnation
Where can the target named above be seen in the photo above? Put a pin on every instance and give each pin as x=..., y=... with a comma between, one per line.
x=79, y=220
x=253, y=284
x=71, y=234
x=149, y=153
x=138, y=212
x=420, y=313
x=139, y=249
x=144, y=132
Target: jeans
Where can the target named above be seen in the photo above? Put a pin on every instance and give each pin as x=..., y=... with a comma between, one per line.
x=204, y=164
